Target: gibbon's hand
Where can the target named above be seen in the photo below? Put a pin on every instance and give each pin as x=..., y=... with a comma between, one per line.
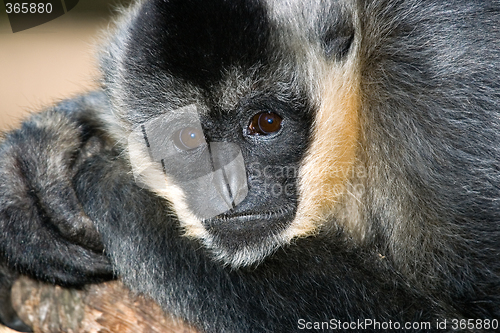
x=45, y=232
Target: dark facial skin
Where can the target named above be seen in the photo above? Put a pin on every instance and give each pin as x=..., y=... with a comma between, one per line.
x=272, y=167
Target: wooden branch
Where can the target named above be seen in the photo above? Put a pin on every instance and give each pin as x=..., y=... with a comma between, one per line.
x=103, y=308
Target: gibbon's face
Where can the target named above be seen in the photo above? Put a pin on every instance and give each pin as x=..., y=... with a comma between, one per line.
x=223, y=102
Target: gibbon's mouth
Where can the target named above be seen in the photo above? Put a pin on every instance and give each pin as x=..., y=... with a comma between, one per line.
x=276, y=214
x=266, y=222
x=233, y=231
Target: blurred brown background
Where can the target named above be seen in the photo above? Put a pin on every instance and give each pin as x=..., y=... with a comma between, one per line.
x=52, y=61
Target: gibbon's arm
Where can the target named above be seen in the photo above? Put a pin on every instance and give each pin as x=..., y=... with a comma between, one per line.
x=44, y=231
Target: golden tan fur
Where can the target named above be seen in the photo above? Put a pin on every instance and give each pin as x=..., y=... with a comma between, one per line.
x=328, y=164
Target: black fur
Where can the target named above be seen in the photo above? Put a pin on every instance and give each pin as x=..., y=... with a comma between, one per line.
x=44, y=231
x=336, y=280
x=428, y=196
x=199, y=38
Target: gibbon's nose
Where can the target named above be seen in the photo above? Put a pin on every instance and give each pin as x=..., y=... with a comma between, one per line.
x=221, y=189
x=232, y=178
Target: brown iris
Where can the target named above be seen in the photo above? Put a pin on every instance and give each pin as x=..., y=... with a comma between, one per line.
x=264, y=123
x=189, y=138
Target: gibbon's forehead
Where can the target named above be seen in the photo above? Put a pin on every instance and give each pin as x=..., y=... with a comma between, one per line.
x=216, y=52
x=198, y=40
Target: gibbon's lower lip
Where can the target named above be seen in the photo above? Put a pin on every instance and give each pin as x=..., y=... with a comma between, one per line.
x=247, y=216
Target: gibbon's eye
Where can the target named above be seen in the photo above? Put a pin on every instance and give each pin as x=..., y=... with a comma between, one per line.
x=264, y=123
x=188, y=138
